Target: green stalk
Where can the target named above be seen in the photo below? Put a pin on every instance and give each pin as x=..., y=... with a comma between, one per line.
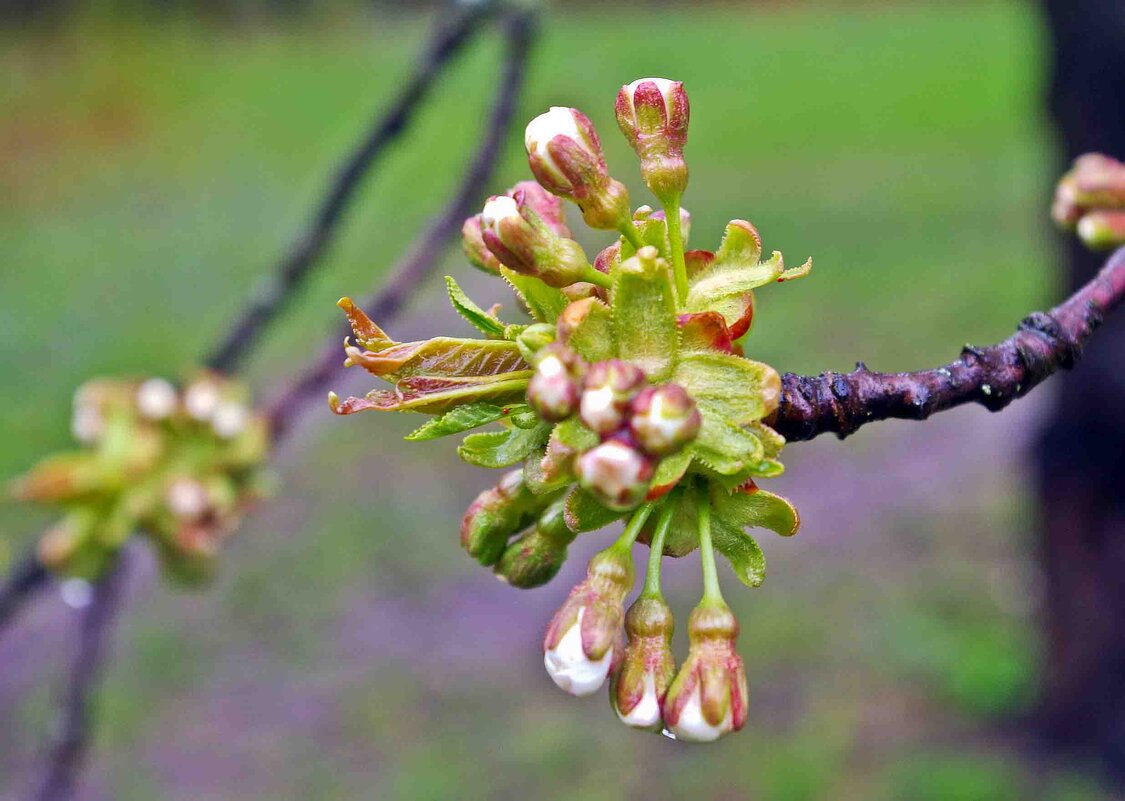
x=595, y=277
x=656, y=552
x=630, y=232
x=676, y=244
x=712, y=594
x=629, y=535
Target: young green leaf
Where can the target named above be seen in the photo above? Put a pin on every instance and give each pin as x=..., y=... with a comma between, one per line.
x=458, y=419
x=740, y=549
x=473, y=314
x=584, y=513
x=752, y=507
x=505, y=448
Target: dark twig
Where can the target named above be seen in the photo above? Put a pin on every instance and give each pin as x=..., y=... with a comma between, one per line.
x=424, y=254
x=25, y=579
x=992, y=377
x=270, y=297
x=69, y=747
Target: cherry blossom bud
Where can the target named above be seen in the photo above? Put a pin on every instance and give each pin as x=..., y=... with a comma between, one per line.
x=87, y=423
x=567, y=160
x=553, y=390
x=616, y=473
x=156, y=399
x=610, y=387
x=648, y=665
x=664, y=419
x=653, y=114
x=584, y=639
x=472, y=243
x=496, y=515
x=523, y=243
x=230, y=419
x=535, y=558
x=187, y=499
x=1102, y=229
x=708, y=697
x=202, y=398
x=549, y=207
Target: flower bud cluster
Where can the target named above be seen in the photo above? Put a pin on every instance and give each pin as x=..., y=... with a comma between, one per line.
x=592, y=638
x=637, y=424
x=179, y=465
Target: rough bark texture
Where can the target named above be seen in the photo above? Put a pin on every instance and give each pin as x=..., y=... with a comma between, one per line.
x=1081, y=459
x=993, y=377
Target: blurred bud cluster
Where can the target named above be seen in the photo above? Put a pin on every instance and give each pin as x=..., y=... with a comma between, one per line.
x=1090, y=200
x=177, y=464
x=627, y=397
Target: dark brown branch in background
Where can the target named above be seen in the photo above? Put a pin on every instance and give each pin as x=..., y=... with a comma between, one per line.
x=69, y=746
x=425, y=253
x=25, y=578
x=992, y=377
x=271, y=297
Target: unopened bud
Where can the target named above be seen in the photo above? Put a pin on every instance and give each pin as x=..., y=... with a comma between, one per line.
x=653, y=114
x=522, y=242
x=202, y=398
x=497, y=514
x=616, y=474
x=609, y=389
x=584, y=639
x=549, y=207
x=648, y=666
x=230, y=419
x=535, y=558
x=156, y=399
x=664, y=419
x=566, y=158
x=708, y=697
x=533, y=339
x=553, y=390
x=1102, y=229
x=472, y=243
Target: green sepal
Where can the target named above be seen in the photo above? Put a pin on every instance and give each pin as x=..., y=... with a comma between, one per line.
x=473, y=314
x=644, y=317
x=593, y=338
x=495, y=449
x=726, y=449
x=723, y=280
x=671, y=469
x=751, y=507
x=583, y=512
x=768, y=468
x=458, y=419
x=545, y=303
x=740, y=549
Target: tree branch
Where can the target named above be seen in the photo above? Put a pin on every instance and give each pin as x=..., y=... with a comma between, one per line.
x=271, y=297
x=25, y=579
x=992, y=377
x=424, y=254
x=69, y=748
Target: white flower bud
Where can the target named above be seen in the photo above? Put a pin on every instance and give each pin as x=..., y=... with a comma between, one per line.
x=571, y=669
x=559, y=121
x=202, y=399
x=499, y=207
x=665, y=85
x=156, y=399
x=230, y=419
x=187, y=499
x=646, y=714
x=693, y=727
x=87, y=424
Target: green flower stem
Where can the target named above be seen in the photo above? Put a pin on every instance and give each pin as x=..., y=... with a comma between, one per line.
x=631, y=234
x=595, y=277
x=676, y=244
x=656, y=552
x=712, y=595
x=629, y=535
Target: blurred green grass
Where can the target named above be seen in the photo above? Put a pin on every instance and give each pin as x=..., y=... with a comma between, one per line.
x=152, y=172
